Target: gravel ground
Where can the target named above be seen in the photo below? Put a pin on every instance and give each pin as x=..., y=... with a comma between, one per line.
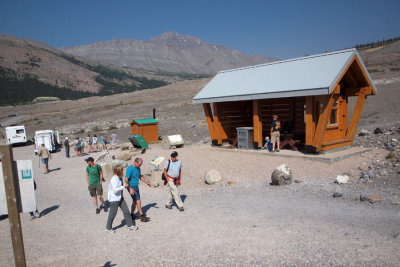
x=249, y=223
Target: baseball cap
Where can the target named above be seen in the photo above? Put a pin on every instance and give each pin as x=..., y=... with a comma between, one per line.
x=89, y=159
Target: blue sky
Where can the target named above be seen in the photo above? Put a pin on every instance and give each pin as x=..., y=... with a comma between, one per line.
x=283, y=29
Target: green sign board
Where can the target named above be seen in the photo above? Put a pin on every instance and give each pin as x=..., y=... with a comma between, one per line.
x=26, y=174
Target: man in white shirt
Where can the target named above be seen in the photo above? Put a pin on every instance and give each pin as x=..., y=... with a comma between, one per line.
x=172, y=173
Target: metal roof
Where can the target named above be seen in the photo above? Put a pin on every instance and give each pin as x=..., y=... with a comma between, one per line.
x=312, y=75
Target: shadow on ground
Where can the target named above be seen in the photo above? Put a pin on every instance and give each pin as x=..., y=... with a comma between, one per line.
x=48, y=210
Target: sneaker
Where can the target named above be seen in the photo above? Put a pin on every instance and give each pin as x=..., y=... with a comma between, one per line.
x=143, y=218
x=110, y=231
x=168, y=206
x=277, y=150
x=133, y=227
x=272, y=151
x=32, y=217
x=181, y=209
x=37, y=214
x=105, y=209
x=97, y=211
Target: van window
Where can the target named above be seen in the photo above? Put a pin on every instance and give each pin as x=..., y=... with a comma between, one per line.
x=20, y=131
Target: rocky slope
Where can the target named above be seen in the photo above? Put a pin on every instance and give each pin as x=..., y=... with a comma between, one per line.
x=168, y=52
x=29, y=69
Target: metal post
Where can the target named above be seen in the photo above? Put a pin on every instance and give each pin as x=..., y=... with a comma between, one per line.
x=154, y=113
x=10, y=184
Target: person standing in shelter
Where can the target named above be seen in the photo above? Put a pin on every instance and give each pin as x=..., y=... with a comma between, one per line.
x=275, y=133
x=94, y=140
x=172, y=173
x=116, y=199
x=66, y=146
x=94, y=179
x=114, y=140
x=132, y=177
x=44, y=154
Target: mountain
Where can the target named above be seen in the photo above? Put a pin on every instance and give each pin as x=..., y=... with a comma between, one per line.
x=30, y=69
x=169, y=52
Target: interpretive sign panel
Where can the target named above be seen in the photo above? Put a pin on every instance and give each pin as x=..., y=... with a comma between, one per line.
x=26, y=191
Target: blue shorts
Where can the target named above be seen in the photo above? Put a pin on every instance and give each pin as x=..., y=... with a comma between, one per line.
x=136, y=195
x=45, y=161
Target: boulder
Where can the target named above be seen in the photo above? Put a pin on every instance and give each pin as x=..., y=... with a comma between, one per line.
x=337, y=194
x=281, y=175
x=123, y=156
x=117, y=162
x=342, y=179
x=378, y=131
x=212, y=177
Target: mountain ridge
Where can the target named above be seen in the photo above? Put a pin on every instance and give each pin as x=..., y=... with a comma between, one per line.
x=170, y=52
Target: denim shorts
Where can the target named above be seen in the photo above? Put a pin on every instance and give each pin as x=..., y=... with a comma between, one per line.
x=136, y=195
x=45, y=161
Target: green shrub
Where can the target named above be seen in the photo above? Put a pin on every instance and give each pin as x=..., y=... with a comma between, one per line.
x=96, y=129
x=112, y=127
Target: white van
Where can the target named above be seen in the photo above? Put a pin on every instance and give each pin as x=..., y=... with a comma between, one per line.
x=49, y=138
x=16, y=135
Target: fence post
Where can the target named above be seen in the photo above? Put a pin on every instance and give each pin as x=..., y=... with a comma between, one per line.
x=10, y=185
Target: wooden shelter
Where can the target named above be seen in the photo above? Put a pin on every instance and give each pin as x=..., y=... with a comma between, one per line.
x=148, y=128
x=310, y=96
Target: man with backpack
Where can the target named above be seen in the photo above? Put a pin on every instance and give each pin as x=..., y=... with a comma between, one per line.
x=172, y=174
x=94, y=178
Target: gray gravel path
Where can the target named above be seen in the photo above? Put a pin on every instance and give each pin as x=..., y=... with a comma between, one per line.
x=249, y=223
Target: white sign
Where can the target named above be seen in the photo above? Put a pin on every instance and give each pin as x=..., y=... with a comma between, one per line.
x=26, y=187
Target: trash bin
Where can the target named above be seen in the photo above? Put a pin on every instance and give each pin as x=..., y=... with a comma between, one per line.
x=245, y=137
x=138, y=141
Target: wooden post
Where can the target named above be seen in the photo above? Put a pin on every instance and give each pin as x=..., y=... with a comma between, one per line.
x=217, y=124
x=209, y=119
x=323, y=121
x=310, y=123
x=257, y=125
x=355, y=118
x=10, y=184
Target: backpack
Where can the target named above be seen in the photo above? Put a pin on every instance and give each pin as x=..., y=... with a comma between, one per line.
x=163, y=176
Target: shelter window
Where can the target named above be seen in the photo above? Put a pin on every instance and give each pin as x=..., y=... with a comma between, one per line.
x=333, y=118
x=20, y=131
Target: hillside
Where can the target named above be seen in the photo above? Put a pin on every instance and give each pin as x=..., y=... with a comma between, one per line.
x=30, y=69
x=168, y=52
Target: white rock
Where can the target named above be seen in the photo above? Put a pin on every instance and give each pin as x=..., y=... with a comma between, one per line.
x=342, y=179
x=212, y=177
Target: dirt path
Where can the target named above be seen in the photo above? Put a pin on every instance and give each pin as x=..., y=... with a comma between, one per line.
x=248, y=223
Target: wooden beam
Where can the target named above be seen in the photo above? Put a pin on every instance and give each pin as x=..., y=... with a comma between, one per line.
x=350, y=78
x=209, y=119
x=365, y=76
x=218, y=130
x=355, y=118
x=323, y=121
x=11, y=187
x=257, y=125
x=310, y=122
